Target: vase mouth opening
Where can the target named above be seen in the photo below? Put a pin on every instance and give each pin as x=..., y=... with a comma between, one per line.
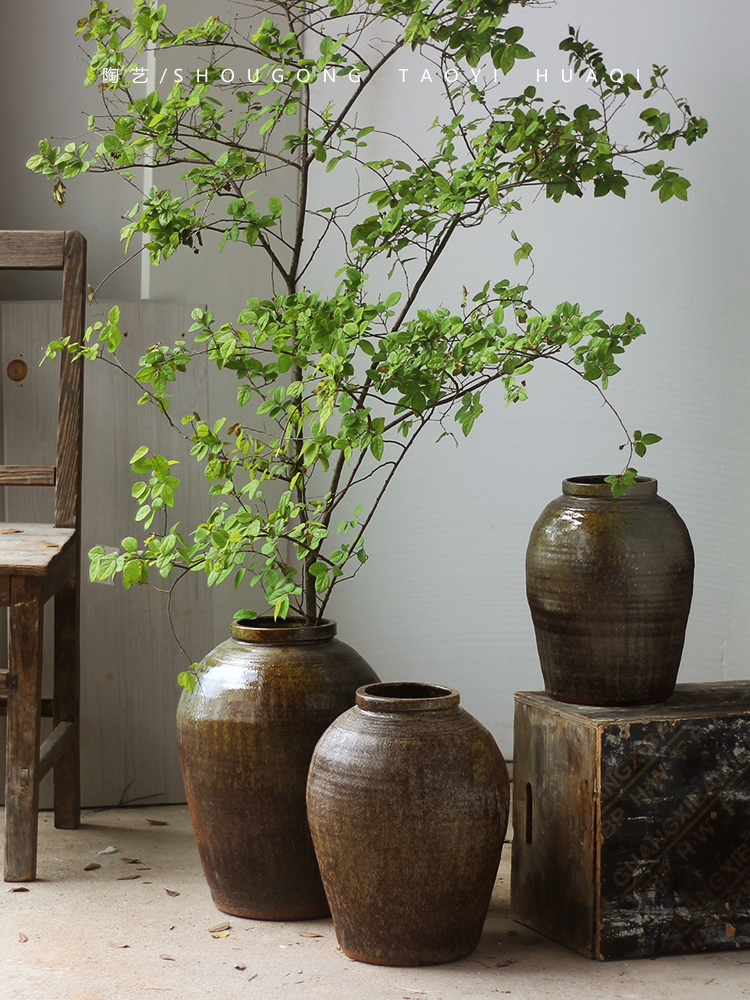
x=282, y=631
x=597, y=486
x=407, y=696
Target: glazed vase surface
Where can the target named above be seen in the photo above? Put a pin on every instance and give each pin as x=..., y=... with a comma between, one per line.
x=609, y=583
x=408, y=806
x=246, y=734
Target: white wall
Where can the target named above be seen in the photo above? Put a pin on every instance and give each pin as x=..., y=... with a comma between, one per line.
x=442, y=597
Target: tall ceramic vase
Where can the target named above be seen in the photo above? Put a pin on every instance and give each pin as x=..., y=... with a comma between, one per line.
x=609, y=583
x=408, y=805
x=246, y=735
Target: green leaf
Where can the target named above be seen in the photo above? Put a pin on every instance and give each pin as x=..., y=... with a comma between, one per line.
x=281, y=608
x=133, y=572
x=244, y=615
x=187, y=678
x=522, y=253
x=620, y=483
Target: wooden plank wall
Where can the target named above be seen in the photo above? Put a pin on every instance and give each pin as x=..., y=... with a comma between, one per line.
x=129, y=658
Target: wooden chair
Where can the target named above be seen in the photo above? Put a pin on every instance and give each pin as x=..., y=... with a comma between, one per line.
x=38, y=561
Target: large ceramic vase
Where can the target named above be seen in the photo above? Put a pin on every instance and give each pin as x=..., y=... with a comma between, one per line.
x=609, y=582
x=246, y=735
x=408, y=805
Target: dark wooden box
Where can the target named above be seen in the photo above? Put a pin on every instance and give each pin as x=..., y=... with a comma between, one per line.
x=632, y=825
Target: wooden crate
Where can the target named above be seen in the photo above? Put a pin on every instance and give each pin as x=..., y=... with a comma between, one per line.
x=632, y=825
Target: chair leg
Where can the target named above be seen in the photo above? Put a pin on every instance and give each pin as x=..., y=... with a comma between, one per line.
x=67, y=770
x=24, y=726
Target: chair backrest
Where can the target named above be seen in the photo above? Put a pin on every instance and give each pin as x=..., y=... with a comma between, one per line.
x=56, y=251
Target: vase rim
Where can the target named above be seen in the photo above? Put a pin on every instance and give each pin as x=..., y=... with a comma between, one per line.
x=407, y=696
x=595, y=486
x=271, y=631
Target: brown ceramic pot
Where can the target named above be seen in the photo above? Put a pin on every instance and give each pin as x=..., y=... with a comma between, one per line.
x=609, y=582
x=408, y=805
x=246, y=735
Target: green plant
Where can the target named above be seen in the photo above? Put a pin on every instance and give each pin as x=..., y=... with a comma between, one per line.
x=339, y=383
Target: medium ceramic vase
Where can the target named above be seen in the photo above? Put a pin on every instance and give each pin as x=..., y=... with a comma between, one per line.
x=408, y=805
x=246, y=735
x=609, y=583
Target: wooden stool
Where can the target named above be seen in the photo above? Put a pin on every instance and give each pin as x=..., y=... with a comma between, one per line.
x=38, y=561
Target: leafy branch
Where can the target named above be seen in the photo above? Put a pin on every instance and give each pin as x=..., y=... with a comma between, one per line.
x=338, y=384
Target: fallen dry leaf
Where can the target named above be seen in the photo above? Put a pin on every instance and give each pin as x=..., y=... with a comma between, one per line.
x=309, y=934
x=219, y=927
x=18, y=888
x=116, y=944
x=22, y=937
x=241, y=967
x=220, y=934
x=11, y=531
x=50, y=545
x=172, y=892
x=130, y=861
x=109, y=850
x=92, y=867
x=157, y=822
x=254, y=976
x=167, y=958
x=127, y=878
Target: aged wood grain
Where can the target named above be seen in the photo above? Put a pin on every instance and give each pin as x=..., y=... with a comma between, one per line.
x=40, y=560
x=61, y=571
x=59, y=743
x=554, y=825
x=27, y=475
x=23, y=735
x=70, y=412
x=32, y=549
x=46, y=703
x=32, y=250
x=66, y=700
x=668, y=800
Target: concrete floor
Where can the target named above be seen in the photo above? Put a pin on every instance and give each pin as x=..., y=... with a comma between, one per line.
x=99, y=935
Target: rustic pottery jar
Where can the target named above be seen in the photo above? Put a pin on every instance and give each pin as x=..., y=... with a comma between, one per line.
x=609, y=582
x=408, y=805
x=246, y=735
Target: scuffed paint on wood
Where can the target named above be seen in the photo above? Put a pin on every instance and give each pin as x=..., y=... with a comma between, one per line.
x=660, y=797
